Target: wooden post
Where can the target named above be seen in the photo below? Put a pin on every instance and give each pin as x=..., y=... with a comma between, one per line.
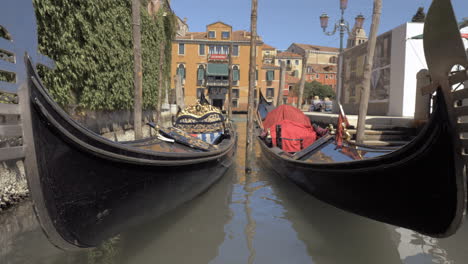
x=361, y=126
x=301, y=87
x=249, y=155
x=423, y=101
x=281, y=84
x=230, y=83
x=179, y=92
x=137, y=69
x=160, y=83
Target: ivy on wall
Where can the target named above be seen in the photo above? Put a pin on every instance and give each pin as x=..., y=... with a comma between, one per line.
x=91, y=43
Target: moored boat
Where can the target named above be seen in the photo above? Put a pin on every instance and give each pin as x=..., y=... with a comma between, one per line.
x=420, y=186
x=85, y=187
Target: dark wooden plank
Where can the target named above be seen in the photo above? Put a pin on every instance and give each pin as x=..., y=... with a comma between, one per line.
x=11, y=130
x=9, y=109
x=460, y=94
x=461, y=111
x=6, y=87
x=11, y=153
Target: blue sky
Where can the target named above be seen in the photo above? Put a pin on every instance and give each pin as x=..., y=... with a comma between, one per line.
x=281, y=22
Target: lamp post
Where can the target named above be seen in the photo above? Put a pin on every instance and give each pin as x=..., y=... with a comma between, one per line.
x=343, y=26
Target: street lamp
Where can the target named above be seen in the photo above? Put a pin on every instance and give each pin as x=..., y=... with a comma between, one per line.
x=343, y=26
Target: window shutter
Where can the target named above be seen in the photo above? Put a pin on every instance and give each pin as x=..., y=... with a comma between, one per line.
x=270, y=75
x=201, y=74
x=235, y=75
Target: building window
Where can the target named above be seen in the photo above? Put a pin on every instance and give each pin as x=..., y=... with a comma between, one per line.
x=235, y=75
x=326, y=76
x=200, y=75
x=181, y=70
x=333, y=59
x=270, y=76
x=309, y=69
x=297, y=62
x=211, y=34
x=225, y=35
x=181, y=48
x=235, y=93
x=201, y=49
x=288, y=62
x=200, y=91
x=270, y=93
x=317, y=76
x=235, y=103
x=235, y=50
x=331, y=76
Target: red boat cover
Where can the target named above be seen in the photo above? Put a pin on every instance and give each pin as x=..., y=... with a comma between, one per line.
x=294, y=127
x=286, y=112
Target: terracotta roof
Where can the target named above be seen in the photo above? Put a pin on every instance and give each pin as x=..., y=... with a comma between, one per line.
x=240, y=35
x=270, y=66
x=268, y=47
x=194, y=35
x=292, y=79
x=323, y=67
x=288, y=54
x=315, y=47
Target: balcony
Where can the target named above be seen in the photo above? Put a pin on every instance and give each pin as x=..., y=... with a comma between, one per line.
x=219, y=83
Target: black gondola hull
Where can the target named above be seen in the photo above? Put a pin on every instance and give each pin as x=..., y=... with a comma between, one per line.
x=87, y=189
x=416, y=187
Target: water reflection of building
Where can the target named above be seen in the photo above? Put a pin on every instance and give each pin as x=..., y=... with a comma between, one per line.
x=397, y=60
x=201, y=58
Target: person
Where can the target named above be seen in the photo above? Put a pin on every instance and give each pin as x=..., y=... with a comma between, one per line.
x=317, y=104
x=328, y=105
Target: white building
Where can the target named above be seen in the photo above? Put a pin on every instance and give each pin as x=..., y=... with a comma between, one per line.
x=398, y=59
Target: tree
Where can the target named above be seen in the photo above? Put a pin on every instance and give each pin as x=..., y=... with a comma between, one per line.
x=420, y=16
x=315, y=88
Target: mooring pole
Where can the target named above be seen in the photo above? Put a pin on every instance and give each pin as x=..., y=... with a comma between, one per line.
x=249, y=155
x=137, y=69
x=301, y=87
x=361, y=126
x=161, y=85
x=281, y=84
x=230, y=83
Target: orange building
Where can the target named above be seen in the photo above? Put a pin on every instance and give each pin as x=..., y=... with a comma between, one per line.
x=324, y=74
x=202, y=58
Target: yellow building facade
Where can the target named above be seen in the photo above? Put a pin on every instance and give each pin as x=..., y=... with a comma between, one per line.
x=202, y=59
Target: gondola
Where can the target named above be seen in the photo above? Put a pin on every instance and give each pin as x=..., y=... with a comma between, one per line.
x=85, y=187
x=420, y=186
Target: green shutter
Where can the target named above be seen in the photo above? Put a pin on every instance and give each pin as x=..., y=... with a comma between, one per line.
x=181, y=72
x=201, y=74
x=235, y=75
x=270, y=76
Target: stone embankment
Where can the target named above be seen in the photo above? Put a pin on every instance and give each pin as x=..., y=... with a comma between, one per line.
x=13, y=185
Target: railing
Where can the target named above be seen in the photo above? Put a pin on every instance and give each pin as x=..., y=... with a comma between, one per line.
x=217, y=83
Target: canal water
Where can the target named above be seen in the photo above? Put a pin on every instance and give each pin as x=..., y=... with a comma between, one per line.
x=260, y=218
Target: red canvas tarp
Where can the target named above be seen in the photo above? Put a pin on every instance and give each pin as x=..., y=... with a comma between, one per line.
x=295, y=126
x=286, y=112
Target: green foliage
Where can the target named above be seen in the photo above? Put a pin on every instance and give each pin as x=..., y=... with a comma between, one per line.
x=315, y=88
x=91, y=43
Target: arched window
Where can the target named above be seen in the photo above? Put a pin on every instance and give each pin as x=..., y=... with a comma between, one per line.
x=235, y=75
x=200, y=75
x=181, y=70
